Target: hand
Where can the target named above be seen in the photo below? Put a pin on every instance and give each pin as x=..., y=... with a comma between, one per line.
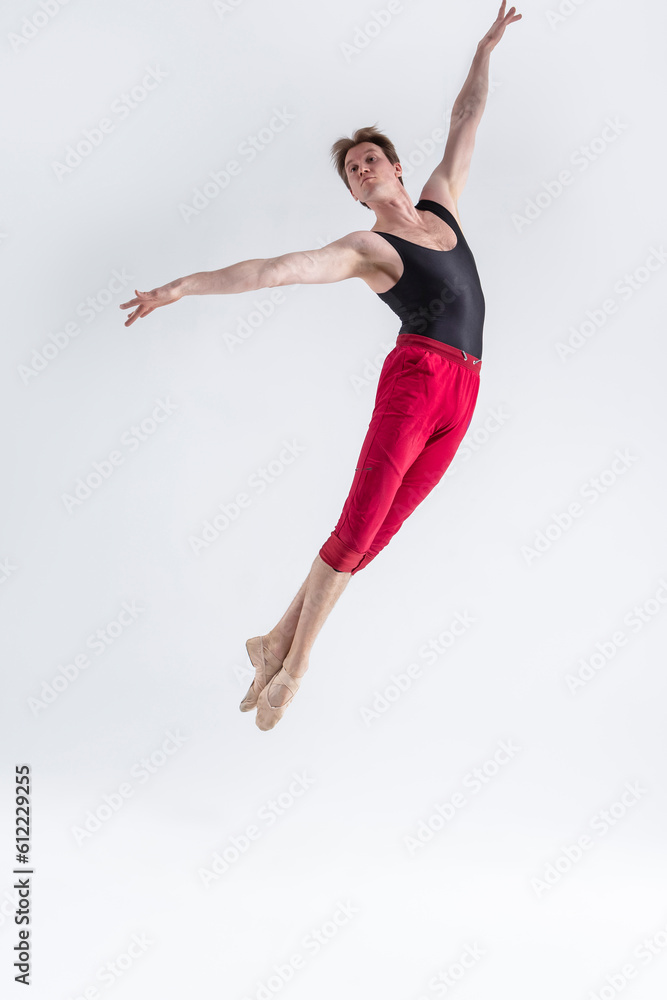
x=146, y=302
x=496, y=32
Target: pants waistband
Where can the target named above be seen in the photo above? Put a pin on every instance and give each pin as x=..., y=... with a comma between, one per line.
x=445, y=350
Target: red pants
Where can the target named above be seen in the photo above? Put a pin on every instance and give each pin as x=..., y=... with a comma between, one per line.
x=424, y=403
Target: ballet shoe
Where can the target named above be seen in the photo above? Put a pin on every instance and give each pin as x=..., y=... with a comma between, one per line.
x=258, y=653
x=267, y=715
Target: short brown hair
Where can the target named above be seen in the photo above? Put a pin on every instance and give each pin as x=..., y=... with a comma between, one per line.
x=342, y=146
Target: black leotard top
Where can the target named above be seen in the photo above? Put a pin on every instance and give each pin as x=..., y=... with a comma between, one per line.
x=439, y=294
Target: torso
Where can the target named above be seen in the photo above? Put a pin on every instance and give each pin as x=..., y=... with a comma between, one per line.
x=427, y=274
x=386, y=264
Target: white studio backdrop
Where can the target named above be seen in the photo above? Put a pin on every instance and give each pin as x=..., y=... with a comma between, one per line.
x=474, y=810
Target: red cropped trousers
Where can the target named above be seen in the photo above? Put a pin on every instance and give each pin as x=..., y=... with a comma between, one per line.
x=424, y=403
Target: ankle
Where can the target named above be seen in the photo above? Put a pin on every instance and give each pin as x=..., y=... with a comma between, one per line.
x=277, y=643
x=295, y=666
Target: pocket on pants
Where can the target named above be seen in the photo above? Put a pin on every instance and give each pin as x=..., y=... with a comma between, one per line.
x=415, y=359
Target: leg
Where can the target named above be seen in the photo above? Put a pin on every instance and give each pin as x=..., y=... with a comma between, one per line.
x=459, y=399
x=279, y=639
x=397, y=432
x=423, y=475
x=323, y=587
x=267, y=652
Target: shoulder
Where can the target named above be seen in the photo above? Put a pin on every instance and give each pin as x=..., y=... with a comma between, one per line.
x=356, y=255
x=372, y=258
x=360, y=239
x=369, y=246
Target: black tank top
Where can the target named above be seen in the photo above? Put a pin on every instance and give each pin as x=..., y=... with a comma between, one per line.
x=439, y=294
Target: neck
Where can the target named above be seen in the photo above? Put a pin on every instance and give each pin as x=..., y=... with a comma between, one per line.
x=396, y=212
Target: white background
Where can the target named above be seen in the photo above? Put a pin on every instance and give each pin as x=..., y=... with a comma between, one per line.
x=307, y=373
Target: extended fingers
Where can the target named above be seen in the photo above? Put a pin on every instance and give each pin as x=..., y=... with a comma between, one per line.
x=138, y=312
x=509, y=16
x=145, y=302
x=141, y=296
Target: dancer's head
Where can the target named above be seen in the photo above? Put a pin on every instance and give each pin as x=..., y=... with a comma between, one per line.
x=367, y=152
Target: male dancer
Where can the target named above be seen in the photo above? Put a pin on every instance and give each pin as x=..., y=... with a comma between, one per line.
x=417, y=260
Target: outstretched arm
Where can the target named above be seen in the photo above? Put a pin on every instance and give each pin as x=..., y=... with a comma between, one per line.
x=345, y=258
x=450, y=176
x=245, y=276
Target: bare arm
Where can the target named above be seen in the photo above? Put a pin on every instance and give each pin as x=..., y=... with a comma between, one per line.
x=246, y=276
x=337, y=261
x=466, y=116
x=345, y=258
x=334, y=262
x=450, y=176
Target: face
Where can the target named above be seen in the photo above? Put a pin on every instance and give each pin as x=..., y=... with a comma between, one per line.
x=367, y=168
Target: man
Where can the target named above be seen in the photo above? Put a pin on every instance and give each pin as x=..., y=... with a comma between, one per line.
x=430, y=379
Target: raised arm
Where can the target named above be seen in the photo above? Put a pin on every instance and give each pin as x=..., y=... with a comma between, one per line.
x=450, y=176
x=345, y=258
